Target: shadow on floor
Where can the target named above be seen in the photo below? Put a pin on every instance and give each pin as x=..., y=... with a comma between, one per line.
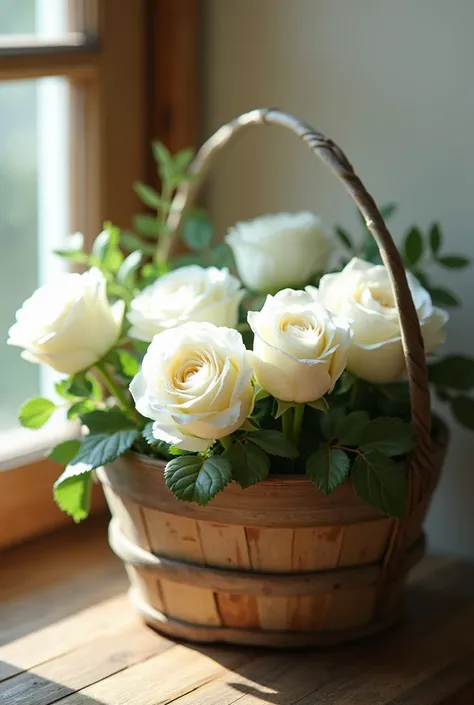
x=32, y=689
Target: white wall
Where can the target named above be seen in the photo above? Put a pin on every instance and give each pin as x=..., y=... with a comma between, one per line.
x=392, y=81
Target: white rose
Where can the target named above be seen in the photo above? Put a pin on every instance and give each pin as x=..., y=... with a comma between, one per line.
x=68, y=324
x=299, y=348
x=195, y=383
x=278, y=251
x=187, y=294
x=362, y=294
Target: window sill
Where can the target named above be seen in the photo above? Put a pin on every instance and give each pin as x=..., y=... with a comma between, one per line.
x=22, y=446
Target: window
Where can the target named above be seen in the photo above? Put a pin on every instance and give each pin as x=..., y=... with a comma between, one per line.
x=84, y=87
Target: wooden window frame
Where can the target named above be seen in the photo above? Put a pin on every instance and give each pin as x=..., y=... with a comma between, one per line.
x=139, y=53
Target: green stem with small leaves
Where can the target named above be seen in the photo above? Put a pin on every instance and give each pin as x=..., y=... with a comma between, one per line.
x=108, y=381
x=164, y=239
x=287, y=424
x=297, y=422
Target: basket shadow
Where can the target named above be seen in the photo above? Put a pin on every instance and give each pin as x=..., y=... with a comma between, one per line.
x=310, y=675
x=29, y=687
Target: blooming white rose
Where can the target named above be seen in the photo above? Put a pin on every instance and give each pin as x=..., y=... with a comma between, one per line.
x=188, y=294
x=299, y=348
x=195, y=383
x=276, y=251
x=69, y=323
x=362, y=294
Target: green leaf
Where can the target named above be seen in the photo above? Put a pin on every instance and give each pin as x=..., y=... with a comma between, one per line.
x=442, y=297
x=148, y=195
x=370, y=250
x=147, y=225
x=126, y=274
x=132, y=242
x=388, y=210
x=83, y=385
x=79, y=408
x=412, y=247
x=36, y=412
x=380, y=482
x=283, y=406
x=62, y=388
x=346, y=381
x=183, y=159
x=435, y=239
x=352, y=427
x=260, y=393
x=345, y=238
x=387, y=435
x=250, y=464
x=331, y=423
x=101, y=448
x=422, y=278
x=197, y=233
x=164, y=160
x=109, y=421
x=193, y=479
x=453, y=371
x=327, y=468
x=463, y=411
x=453, y=261
x=64, y=452
x=129, y=365
x=221, y=256
x=158, y=446
x=319, y=405
x=72, y=493
x=106, y=249
x=275, y=443
x=76, y=256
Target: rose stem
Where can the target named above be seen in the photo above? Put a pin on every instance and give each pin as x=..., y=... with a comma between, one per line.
x=108, y=382
x=287, y=423
x=297, y=422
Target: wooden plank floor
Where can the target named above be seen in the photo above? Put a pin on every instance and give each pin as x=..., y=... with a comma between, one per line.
x=68, y=635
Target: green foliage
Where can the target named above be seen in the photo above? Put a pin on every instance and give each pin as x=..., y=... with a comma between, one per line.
x=132, y=242
x=390, y=436
x=79, y=408
x=101, y=448
x=328, y=467
x=380, y=482
x=443, y=297
x=107, y=421
x=197, y=232
x=148, y=195
x=64, y=452
x=127, y=272
x=344, y=238
x=83, y=385
x=282, y=406
x=160, y=448
x=436, y=239
x=319, y=405
x=192, y=478
x=249, y=462
x=412, y=247
x=147, y=225
x=350, y=428
x=453, y=371
x=72, y=493
x=463, y=411
x=275, y=443
x=453, y=261
x=36, y=412
x=128, y=364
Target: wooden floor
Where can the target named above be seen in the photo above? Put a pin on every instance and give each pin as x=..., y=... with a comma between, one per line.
x=67, y=635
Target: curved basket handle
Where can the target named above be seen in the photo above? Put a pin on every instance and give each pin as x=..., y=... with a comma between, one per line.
x=335, y=159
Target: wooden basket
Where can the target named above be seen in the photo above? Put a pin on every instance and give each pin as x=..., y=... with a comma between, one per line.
x=277, y=564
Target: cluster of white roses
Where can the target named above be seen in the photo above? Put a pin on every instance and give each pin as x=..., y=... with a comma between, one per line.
x=196, y=379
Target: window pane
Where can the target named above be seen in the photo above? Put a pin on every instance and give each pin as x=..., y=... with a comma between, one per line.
x=45, y=19
x=34, y=192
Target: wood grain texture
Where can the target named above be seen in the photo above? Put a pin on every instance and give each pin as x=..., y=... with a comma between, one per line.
x=69, y=636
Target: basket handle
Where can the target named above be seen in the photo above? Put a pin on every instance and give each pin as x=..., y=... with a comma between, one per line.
x=412, y=341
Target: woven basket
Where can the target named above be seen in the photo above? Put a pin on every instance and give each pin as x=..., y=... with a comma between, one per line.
x=277, y=564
